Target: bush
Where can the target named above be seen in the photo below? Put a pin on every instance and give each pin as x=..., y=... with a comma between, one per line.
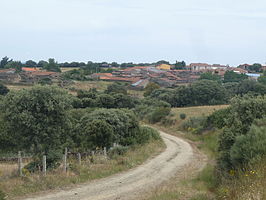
x=168, y=121
x=182, y=116
x=53, y=159
x=242, y=114
x=2, y=195
x=3, y=89
x=217, y=119
x=249, y=148
x=194, y=125
x=119, y=150
x=148, y=133
x=158, y=114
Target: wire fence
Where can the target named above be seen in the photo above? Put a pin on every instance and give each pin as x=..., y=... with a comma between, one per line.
x=12, y=164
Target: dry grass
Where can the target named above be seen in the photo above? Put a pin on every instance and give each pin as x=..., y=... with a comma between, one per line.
x=7, y=169
x=197, y=111
x=66, y=69
x=250, y=185
x=136, y=93
x=16, y=186
x=17, y=86
x=86, y=85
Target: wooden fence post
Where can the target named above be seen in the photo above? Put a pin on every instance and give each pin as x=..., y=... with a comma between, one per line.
x=92, y=156
x=65, y=161
x=104, y=152
x=79, y=158
x=20, y=164
x=44, y=165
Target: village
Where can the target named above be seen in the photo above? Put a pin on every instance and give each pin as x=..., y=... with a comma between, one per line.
x=166, y=76
x=138, y=77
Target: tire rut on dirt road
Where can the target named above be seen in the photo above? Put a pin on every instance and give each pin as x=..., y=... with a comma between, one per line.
x=132, y=183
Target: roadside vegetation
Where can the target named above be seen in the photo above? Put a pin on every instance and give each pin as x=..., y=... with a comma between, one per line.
x=44, y=120
x=233, y=137
x=120, y=159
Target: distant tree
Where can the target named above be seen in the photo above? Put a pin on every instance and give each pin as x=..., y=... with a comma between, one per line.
x=180, y=65
x=207, y=92
x=105, y=101
x=127, y=65
x=262, y=79
x=150, y=88
x=256, y=67
x=31, y=63
x=124, y=101
x=162, y=62
x=4, y=62
x=250, y=87
x=3, y=89
x=231, y=76
x=52, y=66
x=115, y=64
x=210, y=76
x=42, y=63
x=14, y=65
x=116, y=88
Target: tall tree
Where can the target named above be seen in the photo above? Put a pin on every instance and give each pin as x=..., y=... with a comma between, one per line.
x=231, y=76
x=180, y=65
x=210, y=76
x=52, y=66
x=15, y=65
x=31, y=63
x=4, y=62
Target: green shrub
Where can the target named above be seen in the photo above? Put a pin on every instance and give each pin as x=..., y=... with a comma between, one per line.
x=158, y=114
x=194, y=125
x=168, y=121
x=242, y=114
x=146, y=134
x=217, y=119
x=53, y=160
x=119, y=150
x=182, y=116
x=2, y=195
x=249, y=148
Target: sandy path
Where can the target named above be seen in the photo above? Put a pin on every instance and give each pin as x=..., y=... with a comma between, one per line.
x=130, y=184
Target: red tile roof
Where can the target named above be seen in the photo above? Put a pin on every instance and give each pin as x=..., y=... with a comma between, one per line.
x=103, y=74
x=29, y=69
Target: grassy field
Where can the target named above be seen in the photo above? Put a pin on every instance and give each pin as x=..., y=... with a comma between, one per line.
x=196, y=111
x=66, y=69
x=17, y=86
x=16, y=186
x=86, y=85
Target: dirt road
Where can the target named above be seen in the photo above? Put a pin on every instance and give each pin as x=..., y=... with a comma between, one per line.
x=130, y=184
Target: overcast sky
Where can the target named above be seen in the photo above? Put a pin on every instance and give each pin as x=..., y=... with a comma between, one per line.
x=213, y=31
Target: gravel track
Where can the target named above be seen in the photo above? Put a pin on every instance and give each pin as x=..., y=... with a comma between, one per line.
x=132, y=183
